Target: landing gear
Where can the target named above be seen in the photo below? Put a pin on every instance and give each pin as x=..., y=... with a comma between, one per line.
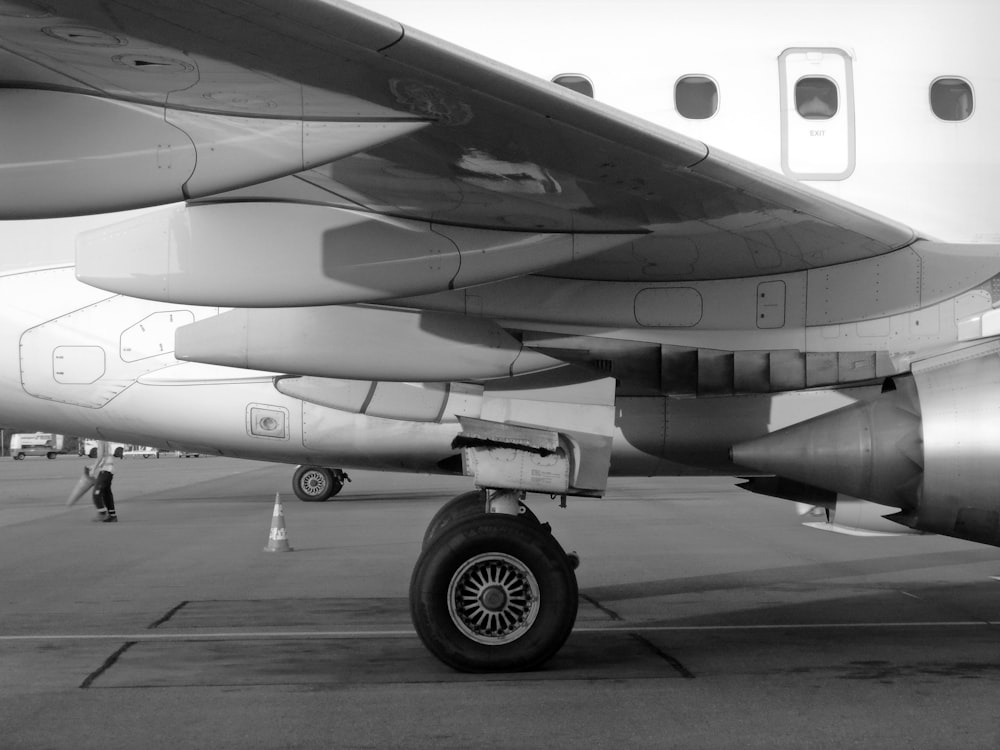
x=318, y=484
x=492, y=592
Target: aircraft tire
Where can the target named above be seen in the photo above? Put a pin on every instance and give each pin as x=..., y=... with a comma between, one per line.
x=466, y=505
x=315, y=484
x=93, y=453
x=462, y=506
x=519, y=592
x=119, y=453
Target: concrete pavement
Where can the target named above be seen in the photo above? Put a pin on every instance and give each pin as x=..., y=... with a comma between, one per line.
x=709, y=618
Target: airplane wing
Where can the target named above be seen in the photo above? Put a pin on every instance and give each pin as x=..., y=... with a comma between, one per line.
x=124, y=103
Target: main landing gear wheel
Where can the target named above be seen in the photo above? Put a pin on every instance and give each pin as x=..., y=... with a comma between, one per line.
x=316, y=484
x=466, y=505
x=492, y=593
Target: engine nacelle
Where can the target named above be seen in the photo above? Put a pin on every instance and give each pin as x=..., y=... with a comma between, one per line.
x=929, y=445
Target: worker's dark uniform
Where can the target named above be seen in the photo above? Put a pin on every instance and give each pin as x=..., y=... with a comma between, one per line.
x=104, y=499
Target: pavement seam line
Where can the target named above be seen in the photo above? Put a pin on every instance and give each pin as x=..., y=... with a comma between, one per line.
x=108, y=663
x=683, y=671
x=606, y=610
x=169, y=614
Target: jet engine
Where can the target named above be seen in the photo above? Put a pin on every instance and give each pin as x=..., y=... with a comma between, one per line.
x=928, y=445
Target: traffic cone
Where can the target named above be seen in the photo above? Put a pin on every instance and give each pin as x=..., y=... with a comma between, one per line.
x=277, y=541
x=83, y=485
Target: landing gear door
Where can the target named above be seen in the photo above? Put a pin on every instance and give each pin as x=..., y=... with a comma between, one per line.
x=817, y=113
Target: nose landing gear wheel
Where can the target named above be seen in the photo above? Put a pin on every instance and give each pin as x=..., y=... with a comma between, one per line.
x=315, y=484
x=493, y=594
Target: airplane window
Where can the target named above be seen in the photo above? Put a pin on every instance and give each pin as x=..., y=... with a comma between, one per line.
x=816, y=98
x=577, y=83
x=951, y=99
x=696, y=97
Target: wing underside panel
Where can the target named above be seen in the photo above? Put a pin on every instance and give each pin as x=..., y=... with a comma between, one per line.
x=440, y=135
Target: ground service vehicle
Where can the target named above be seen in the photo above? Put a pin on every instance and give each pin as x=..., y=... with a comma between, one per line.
x=23, y=444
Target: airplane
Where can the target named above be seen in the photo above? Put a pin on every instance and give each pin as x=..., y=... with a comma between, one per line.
x=755, y=240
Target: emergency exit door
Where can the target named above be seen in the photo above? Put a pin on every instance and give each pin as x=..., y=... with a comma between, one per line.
x=817, y=113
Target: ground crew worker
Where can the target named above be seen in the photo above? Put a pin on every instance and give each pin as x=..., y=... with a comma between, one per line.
x=104, y=472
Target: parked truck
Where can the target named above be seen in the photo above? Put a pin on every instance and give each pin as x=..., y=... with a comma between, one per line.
x=46, y=444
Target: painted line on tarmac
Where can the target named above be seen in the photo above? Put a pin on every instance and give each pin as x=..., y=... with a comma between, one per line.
x=363, y=634
x=794, y=626
x=235, y=636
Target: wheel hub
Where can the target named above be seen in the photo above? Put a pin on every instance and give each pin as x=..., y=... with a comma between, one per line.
x=493, y=599
x=314, y=483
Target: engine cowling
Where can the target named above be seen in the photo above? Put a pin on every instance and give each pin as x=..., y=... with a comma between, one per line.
x=928, y=445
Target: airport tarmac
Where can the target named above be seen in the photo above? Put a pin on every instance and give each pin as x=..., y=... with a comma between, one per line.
x=709, y=618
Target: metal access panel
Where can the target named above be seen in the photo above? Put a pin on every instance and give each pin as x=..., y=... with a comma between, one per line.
x=771, y=304
x=817, y=113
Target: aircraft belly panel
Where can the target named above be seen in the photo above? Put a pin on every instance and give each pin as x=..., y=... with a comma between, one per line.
x=89, y=356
